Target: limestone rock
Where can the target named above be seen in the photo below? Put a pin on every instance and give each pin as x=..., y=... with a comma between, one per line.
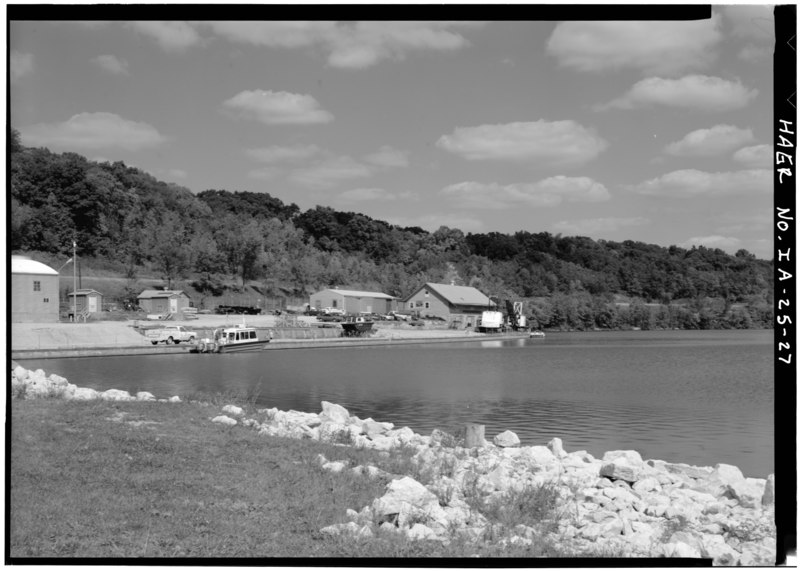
x=506, y=439
x=174, y=399
x=405, y=496
x=145, y=396
x=84, y=393
x=334, y=413
x=557, y=448
x=225, y=420
x=749, y=491
x=420, y=531
x=116, y=395
x=621, y=468
x=231, y=409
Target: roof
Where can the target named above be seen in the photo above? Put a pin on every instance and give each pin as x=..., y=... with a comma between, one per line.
x=460, y=295
x=24, y=265
x=85, y=292
x=354, y=293
x=154, y=293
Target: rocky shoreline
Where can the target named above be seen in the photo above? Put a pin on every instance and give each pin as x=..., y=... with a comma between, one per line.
x=620, y=503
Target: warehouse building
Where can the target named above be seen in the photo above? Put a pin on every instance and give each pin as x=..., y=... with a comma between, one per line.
x=164, y=301
x=34, y=291
x=351, y=301
x=459, y=305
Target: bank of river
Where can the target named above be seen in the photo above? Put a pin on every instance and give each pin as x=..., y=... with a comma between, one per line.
x=696, y=397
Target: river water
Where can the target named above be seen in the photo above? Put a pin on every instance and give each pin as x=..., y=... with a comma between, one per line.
x=699, y=397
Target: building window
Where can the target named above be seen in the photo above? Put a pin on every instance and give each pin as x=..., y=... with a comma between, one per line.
x=334, y=304
x=47, y=300
x=426, y=293
x=427, y=305
x=37, y=286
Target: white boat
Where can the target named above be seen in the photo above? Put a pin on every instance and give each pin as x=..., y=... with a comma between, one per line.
x=237, y=339
x=537, y=334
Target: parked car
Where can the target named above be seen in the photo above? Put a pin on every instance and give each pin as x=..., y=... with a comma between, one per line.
x=333, y=311
x=171, y=334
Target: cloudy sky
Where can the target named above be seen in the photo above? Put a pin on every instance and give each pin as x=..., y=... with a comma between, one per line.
x=651, y=131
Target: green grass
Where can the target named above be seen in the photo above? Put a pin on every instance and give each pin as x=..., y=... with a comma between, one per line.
x=138, y=479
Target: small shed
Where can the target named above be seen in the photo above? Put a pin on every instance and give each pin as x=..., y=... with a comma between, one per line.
x=459, y=304
x=34, y=291
x=353, y=301
x=155, y=301
x=86, y=301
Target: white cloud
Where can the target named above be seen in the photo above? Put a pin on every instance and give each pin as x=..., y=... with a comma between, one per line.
x=277, y=108
x=171, y=35
x=698, y=92
x=551, y=143
x=726, y=243
x=594, y=226
x=718, y=140
x=330, y=172
x=693, y=183
x=280, y=34
x=387, y=156
x=758, y=156
x=265, y=173
x=93, y=131
x=112, y=64
x=372, y=194
x=21, y=64
x=348, y=45
x=545, y=193
x=177, y=173
x=278, y=154
x=653, y=47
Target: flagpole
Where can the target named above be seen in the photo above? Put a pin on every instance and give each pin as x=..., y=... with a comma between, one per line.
x=74, y=282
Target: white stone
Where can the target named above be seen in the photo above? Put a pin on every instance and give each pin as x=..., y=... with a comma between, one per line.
x=175, y=398
x=231, y=409
x=334, y=413
x=116, y=395
x=557, y=448
x=420, y=531
x=404, y=494
x=506, y=439
x=334, y=467
x=621, y=468
x=84, y=393
x=21, y=373
x=226, y=420
x=749, y=492
x=632, y=456
x=145, y=396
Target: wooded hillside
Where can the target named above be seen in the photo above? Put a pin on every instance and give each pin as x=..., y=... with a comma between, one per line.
x=125, y=219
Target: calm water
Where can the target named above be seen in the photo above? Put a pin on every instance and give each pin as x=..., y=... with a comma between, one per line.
x=697, y=397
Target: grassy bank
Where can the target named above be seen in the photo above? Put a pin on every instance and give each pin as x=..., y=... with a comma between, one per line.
x=139, y=479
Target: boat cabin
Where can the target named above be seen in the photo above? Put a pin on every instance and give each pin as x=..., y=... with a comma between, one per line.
x=233, y=335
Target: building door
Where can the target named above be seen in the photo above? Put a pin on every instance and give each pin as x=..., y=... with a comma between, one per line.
x=92, y=304
x=173, y=305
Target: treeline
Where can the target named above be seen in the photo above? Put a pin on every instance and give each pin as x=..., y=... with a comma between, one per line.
x=135, y=222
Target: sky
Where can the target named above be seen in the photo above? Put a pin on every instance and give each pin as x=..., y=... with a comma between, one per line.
x=654, y=131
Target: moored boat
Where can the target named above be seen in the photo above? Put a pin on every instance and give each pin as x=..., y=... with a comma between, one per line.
x=356, y=326
x=538, y=334
x=236, y=339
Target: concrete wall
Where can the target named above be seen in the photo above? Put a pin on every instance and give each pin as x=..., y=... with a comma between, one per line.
x=30, y=305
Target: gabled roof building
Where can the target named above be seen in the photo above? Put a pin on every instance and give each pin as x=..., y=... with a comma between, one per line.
x=459, y=304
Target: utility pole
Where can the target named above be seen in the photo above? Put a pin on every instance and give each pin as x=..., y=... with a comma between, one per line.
x=74, y=282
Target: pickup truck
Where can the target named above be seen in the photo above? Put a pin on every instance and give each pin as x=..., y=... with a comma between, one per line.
x=171, y=334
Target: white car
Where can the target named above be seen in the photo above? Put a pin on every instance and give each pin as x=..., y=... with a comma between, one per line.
x=333, y=311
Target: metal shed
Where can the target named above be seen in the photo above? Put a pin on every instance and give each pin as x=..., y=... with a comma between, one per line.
x=353, y=301
x=163, y=302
